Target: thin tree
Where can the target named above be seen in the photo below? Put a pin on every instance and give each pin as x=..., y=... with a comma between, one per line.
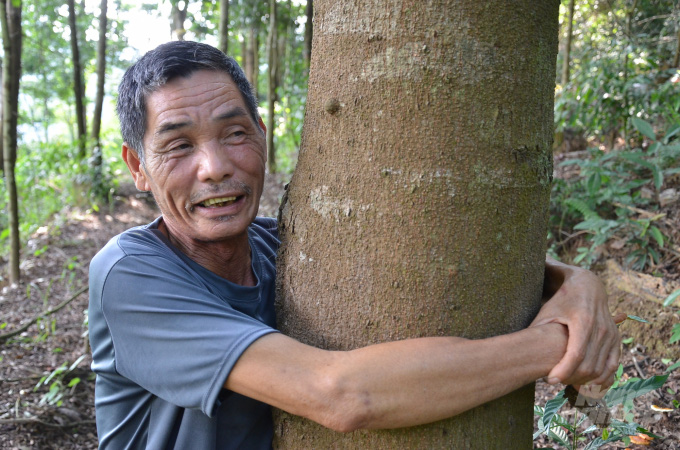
x=309, y=12
x=567, y=44
x=2, y=103
x=272, y=63
x=224, y=26
x=252, y=51
x=78, y=85
x=676, y=58
x=10, y=21
x=99, y=100
x=419, y=204
x=177, y=18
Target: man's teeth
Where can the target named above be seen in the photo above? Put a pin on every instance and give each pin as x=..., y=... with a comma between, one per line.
x=221, y=201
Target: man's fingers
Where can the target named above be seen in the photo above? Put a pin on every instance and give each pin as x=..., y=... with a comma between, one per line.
x=570, y=362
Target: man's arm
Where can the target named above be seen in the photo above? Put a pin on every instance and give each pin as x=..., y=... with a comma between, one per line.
x=395, y=384
x=578, y=300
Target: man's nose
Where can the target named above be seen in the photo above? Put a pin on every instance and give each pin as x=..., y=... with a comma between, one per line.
x=215, y=163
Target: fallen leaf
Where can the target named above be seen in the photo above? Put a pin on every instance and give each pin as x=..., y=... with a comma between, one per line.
x=641, y=439
x=661, y=408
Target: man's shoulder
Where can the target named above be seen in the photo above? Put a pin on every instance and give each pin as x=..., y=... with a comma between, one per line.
x=140, y=240
x=265, y=230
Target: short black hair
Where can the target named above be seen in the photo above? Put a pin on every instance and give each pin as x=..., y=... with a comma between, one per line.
x=159, y=66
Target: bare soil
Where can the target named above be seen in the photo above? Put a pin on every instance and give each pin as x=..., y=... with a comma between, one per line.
x=55, y=269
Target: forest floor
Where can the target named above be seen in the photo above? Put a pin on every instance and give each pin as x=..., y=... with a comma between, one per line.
x=47, y=389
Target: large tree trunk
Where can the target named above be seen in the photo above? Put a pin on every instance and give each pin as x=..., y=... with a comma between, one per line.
x=78, y=88
x=10, y=18
x=99, y=101
x=567, y=44
x=419, y=204
x=224, y=26
x=272, y=76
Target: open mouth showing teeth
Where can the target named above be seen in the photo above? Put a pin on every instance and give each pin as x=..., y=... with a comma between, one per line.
x=218, y=202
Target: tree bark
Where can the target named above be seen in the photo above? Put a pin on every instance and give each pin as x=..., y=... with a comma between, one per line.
x=272, y=63
x=676, y=58
x=177, y=18
x=252, y=54
x=419, y=204
x=567, y=45
x=2, y=108
x=309, y=12
x=78, y=86
x=99, y=100
x=10, y=16
x=224, y=26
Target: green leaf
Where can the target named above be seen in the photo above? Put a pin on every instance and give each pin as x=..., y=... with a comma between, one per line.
x=644, y=128
x=16, y=3
x=657, y=235
x=672, y=131
x=675, y=334
x=74, y=382
x=635, y=389
x=552, y=406
x=560, y=436
x=627, y=340
x=605, y=434
x=673, y=367
x=637, y=318
x=671, y=298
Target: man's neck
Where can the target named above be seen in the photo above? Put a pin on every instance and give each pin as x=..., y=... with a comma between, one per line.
x=230, y=259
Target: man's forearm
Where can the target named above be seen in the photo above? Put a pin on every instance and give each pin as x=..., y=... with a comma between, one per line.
x=395, y=384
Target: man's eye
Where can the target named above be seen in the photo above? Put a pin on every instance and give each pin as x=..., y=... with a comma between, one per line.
x=180, y=147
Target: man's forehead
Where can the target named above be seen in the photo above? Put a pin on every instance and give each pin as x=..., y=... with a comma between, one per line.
x=205, y=93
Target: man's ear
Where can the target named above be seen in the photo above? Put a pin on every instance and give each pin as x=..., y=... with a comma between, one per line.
x=134, y=165
x=262, y=125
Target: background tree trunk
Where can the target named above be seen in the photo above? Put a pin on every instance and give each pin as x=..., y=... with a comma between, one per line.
x=99, y=100
x=272, y=63
x=309, y=12
x=224, y=26
x=567, y=45
x=10, y=16
x=2, y=108
x=419, y=204
x=252, y=53
x=177, y=18
x=78, y=87
x=676, y=58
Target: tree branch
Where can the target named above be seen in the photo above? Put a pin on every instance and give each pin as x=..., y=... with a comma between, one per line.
x=43, y=314
x=30, y=420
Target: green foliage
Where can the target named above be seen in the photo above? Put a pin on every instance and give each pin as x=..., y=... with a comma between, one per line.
x=570, y=434
x=604, y=200
x=49, y=177
x=671, y=298
x=621, y=67
x=58, y=383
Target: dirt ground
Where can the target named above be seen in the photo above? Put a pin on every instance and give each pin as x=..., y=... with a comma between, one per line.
x=58, y=413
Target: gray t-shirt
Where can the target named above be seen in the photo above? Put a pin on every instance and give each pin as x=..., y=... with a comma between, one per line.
x=165, y=333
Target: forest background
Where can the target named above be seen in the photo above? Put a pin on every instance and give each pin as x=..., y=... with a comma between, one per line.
x=616, y=195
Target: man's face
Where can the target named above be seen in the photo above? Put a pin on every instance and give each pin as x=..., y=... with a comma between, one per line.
x=204, y=158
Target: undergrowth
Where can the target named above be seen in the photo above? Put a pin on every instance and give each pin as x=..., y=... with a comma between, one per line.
x=616, y=198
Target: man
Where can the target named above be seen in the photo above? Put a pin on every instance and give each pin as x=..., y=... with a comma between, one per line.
x=181, y=310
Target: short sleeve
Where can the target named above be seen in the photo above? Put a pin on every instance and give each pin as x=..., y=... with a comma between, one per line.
x=170, y=335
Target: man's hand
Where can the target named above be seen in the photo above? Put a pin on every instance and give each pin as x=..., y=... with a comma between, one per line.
x=578, y=301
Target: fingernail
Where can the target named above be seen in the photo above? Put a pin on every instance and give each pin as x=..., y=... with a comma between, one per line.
x=553, y=380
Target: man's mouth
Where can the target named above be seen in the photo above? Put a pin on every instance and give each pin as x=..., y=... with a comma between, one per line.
x=218, y=202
